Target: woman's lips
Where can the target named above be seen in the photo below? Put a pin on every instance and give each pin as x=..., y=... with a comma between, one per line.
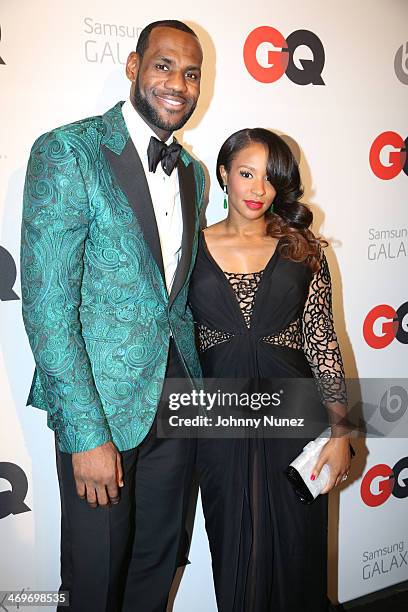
x=253, y=204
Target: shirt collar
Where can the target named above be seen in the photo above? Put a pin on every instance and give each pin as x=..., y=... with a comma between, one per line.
x=138, y=129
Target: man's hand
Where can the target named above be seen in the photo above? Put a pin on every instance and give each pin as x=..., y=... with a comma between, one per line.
x=98, y=474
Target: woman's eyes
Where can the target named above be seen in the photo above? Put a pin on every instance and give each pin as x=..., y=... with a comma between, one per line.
x=247, y=174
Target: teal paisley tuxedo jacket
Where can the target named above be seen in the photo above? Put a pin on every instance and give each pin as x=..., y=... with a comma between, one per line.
x=95, y=304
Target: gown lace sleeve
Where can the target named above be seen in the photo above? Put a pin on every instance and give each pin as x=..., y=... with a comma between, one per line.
x=322, y=349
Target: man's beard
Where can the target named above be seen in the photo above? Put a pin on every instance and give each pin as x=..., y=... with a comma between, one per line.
x=151, y=116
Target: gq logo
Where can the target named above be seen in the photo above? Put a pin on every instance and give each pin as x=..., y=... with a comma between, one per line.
x=12, y=501
x=388, y=156
x=394, y=326
x=1, y=59
x=8, y=275
x=387, y=485
x=282, y=61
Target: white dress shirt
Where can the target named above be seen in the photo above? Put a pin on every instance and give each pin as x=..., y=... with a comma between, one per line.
x=165, y=193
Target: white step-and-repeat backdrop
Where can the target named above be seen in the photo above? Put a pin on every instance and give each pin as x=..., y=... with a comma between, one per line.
x=331, y=77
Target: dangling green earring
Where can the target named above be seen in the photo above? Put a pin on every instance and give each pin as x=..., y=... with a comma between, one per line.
x=225, y=197
x=270, y=209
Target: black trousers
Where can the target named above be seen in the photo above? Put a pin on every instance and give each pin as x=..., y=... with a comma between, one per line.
x=123, y=557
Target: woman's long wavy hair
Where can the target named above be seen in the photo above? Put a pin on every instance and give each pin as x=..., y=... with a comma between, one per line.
x=290, y=220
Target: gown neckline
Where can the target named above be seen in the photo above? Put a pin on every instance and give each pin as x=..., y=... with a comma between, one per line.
x=231, y=291
x=207, y=250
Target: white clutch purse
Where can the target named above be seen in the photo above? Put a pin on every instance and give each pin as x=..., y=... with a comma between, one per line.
x=298, y=472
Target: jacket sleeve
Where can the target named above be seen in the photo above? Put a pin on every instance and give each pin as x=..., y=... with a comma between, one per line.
x=200, y=183
x=54, y=229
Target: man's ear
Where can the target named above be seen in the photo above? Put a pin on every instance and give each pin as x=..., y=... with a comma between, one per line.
x=132, y=66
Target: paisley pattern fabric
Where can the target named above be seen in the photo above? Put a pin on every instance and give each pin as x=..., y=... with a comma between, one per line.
x=95, y=306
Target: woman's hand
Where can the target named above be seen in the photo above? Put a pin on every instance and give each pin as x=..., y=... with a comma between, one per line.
x=337, y=454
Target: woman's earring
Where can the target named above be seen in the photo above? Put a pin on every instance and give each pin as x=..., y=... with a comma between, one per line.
x=225, y=197
x=270, y=209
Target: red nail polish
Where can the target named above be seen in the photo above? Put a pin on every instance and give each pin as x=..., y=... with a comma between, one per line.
x=313, y=477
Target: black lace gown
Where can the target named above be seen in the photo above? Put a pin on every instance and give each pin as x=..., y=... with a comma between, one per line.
x=268, y=550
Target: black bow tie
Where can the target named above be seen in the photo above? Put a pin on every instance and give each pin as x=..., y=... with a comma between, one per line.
x=168, y=155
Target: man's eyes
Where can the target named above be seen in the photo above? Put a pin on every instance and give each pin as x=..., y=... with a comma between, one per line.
x=165, y=68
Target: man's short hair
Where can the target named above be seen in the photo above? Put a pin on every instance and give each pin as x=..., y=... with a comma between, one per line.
x=143, y=40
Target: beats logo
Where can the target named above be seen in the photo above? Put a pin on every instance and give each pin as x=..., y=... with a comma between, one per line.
x=281, y=60
x=387, y=480
x=388, y=156
x=401, y=63
x=394, y=404
x=394, y=325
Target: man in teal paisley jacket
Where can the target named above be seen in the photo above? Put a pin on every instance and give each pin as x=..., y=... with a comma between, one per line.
x=109, y=237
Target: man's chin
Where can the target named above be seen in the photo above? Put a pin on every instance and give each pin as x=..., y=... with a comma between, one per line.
x=171, y=126
x=172, y=120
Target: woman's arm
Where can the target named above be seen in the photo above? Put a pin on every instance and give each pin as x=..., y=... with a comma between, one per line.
x=322, y=351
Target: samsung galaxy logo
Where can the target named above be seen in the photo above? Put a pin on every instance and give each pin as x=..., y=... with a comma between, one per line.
x=387, y=244
x=109, y=42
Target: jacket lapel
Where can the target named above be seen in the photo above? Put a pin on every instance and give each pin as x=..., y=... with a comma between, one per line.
x=188, y=208
x=120, y=152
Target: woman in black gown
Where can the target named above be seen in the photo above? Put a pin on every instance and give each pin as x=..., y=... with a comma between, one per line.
x=261, y=299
